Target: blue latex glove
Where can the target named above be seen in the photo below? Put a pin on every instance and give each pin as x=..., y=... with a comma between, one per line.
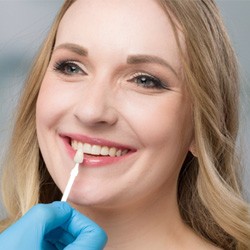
x=51, y=227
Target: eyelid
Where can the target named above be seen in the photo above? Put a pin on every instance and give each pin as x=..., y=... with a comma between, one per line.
x=65, y=55
x=163, y=84
x=65, y=61
x=141, y=74
x=59, y=64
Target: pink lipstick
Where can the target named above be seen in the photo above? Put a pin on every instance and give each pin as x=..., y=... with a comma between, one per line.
x=97, y=152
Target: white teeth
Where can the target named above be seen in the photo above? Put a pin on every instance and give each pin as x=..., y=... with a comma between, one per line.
x=124, y=152
x=97, y=149
x=79, y=145
x=118, y=153
x=112, y=151
x=104, y=150
x=74, y=145
x=87, y=148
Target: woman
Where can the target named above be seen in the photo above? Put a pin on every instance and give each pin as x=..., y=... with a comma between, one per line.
x=149, y=90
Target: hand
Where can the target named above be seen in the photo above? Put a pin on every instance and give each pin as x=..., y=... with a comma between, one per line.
x=52, y=227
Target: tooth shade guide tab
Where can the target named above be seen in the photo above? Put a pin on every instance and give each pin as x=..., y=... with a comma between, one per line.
x=79, y=157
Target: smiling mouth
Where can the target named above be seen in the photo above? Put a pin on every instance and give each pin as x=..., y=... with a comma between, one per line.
x=98, y=150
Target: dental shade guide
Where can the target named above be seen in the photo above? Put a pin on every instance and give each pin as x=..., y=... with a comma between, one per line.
x=78, y=158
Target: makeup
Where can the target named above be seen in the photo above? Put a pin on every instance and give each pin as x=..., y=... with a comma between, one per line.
x=97, y=152
x=79, y=157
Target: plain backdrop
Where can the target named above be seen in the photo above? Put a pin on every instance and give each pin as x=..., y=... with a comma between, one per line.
x=24, y=24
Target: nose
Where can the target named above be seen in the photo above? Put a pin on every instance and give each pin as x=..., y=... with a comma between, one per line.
x=95, y=105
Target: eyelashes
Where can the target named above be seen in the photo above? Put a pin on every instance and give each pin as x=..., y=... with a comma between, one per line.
x=71, y=69
x=147, y=81
x=68, y=68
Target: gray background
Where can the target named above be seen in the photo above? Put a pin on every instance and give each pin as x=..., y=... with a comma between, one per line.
x=24, y=24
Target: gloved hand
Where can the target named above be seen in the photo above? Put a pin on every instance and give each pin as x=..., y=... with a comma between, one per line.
x=52, y=227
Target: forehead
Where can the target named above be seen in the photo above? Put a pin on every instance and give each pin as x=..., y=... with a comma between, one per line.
x=137, y=26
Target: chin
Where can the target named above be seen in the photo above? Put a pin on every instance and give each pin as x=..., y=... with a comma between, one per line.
x=88, y=199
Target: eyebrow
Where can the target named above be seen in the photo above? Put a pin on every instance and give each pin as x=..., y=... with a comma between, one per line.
x=75, y=48
x=132, y=59
x=137, y=59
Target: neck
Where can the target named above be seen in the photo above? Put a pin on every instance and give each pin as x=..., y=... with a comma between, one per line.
x=152, y=224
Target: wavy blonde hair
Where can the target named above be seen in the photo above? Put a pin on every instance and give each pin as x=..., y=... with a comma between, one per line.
x=209, y=187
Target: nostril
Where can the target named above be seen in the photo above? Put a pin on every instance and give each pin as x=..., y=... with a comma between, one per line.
x=96, y=110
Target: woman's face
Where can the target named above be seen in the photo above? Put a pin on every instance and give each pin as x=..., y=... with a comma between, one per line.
x=113, y=87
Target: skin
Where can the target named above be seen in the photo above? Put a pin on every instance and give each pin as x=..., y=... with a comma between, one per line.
x=104, y=99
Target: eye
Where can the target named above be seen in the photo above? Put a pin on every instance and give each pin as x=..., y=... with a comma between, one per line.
x=147, y=81
x=68, y=68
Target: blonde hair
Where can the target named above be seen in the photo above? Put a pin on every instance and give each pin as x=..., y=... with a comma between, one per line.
x=25, y=180
x=209, y=192
x=209, y=189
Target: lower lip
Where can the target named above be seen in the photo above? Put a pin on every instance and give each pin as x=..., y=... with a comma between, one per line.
x=93, y=161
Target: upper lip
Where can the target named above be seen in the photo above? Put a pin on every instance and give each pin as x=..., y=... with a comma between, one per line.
x=96, y=141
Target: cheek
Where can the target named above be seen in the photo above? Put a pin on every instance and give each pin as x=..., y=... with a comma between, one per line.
x=51, y=107
x=161, y=119
x=165, y=130
x=53, y=101
x=46, y=104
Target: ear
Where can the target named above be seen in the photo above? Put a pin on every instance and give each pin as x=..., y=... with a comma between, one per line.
x=192, y=148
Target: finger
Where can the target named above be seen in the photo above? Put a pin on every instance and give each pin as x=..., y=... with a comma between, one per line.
x=89, y=240
x=59, y=235
x=48, y=246
x=51, y=246
x=88, y=235
x=43, y=218
x=56, y=246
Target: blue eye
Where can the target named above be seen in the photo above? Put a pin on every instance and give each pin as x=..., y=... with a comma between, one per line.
x=147, y=81
x=68, y=68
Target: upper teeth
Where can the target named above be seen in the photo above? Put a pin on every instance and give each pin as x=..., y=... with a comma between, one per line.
x=97, y=149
